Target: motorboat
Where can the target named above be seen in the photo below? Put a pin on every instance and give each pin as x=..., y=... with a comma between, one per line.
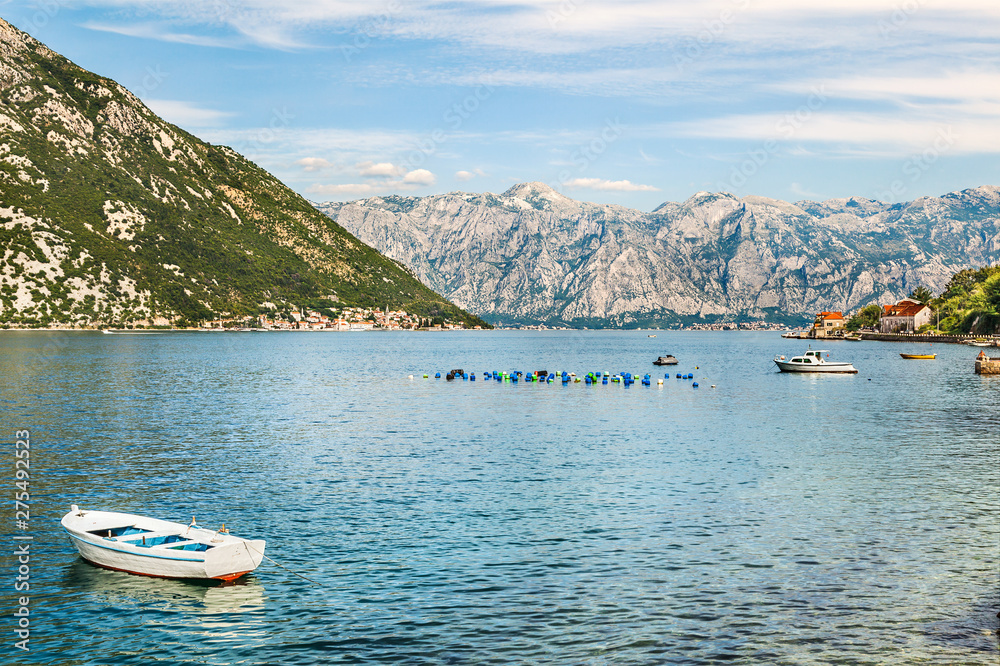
x=665, y=360
x=928, y=357
x=813, y=361
x=152, y=547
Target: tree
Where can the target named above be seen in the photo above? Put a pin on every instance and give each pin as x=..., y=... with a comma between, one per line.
x=991, y=291
x=867, y=317
x=922, y=294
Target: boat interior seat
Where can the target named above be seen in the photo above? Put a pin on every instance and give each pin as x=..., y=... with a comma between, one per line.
x=128, y=530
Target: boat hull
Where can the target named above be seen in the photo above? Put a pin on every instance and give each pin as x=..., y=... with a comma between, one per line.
x=226, y=557
x=926, y=357
x=821, y=368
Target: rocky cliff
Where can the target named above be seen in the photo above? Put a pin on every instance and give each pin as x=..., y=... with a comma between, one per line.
x=534, y=255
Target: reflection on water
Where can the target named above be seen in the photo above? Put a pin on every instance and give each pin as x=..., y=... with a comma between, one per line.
x=122, y=590
x=774, y=519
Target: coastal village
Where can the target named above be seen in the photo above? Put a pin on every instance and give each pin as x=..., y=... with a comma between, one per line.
x=906, y=316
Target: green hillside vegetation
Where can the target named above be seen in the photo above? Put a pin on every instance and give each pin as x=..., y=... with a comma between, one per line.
x=970, y=304
x=110, y=216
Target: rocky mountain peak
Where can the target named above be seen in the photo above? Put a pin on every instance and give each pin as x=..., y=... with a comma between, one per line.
x=714, y=256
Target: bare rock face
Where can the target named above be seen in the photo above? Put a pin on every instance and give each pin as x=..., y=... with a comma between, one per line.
x=533, y=254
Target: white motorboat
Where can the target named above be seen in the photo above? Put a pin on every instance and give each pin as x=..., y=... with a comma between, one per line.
x=813, y=361
x=152, y=547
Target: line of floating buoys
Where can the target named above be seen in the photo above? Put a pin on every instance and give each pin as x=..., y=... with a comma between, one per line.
x=626, y=379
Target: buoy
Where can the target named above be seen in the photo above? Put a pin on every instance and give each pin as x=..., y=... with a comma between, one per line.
x=678, y=375
x=425, y=375
x=604, y=381
x=695, y=385
x=437, y=376
x=411, y=376
x=659, y=382
x=713, y=385
x=449, y=377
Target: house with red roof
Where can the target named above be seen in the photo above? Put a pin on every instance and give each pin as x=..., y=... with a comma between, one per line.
x=826, y=323
x=904, y=317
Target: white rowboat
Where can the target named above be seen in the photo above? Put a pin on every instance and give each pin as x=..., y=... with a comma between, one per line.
x=813, y=361
x=151, y=547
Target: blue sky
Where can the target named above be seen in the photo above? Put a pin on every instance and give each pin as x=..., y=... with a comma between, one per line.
x=631, y=102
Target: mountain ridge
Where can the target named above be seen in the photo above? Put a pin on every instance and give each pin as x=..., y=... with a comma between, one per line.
x=533, y=255
x=110, y=215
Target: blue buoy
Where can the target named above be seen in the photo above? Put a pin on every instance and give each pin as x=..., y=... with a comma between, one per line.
x=472, y=377
x=695, y=385
x=605, y=381
x=678, y=375
x=437, y=375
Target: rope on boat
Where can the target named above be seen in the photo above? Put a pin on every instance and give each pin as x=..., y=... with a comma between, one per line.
x=246, y=545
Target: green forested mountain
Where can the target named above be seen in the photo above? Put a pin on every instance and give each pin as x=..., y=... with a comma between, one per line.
x=110, y=215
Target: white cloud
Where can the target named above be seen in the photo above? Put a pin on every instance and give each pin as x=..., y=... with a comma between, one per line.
x=464, y=176
x=608, y=185
x=344, y=188
x=160, y=33
x=573, y=26
x=186, y=114
x=314, y=163
x=421, y=177
x=379, y=170
x=874, y=134
x=412, y=180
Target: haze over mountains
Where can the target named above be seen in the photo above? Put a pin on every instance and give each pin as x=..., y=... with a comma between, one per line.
x=110, y=215
x=532, y=254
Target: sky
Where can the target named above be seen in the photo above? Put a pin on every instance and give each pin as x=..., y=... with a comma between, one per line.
x=632, y=102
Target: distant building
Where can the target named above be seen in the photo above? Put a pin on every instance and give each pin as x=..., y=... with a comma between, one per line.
x=904, y=317
x=827, y=323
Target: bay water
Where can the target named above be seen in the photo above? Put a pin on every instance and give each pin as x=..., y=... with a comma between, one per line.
x=772, y=519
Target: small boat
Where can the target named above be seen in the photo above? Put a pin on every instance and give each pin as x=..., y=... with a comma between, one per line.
x=853, y=338
x=813, y=361
x=929, y=357
x=665, y=360
x=650, y=336
x=151, y=547
x=979, y=342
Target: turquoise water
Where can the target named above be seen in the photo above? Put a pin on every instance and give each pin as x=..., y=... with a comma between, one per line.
x=774, y=519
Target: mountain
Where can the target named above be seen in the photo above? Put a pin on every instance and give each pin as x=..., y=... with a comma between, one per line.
x=110, y=215
x=532, y=254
